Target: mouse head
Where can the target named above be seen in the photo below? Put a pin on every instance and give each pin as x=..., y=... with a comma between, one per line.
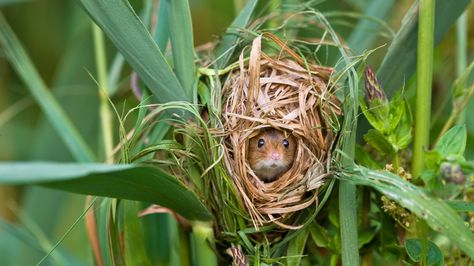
x=271, y=153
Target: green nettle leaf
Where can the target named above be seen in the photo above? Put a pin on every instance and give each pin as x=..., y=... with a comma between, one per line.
x=431, y=179
x=365, y=159
x=397, y=110
x=401, y=136
x=432, y=160
x=433, y=253
x=452, y=142
x=378, y=141
x=135, y=182
x=374, y=121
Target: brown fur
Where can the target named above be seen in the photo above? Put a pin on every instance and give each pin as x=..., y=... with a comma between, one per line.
x=260, y=157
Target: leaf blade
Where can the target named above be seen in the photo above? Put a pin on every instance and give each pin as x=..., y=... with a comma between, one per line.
x=434, y=211
x=181, y=36
x=124, y=28
x=228, y=43
x=453, y=142
x=133, y=182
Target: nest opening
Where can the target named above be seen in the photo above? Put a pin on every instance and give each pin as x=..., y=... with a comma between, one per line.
x=291, y=95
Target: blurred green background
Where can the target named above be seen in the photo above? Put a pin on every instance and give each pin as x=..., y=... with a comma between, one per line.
x=57, y=35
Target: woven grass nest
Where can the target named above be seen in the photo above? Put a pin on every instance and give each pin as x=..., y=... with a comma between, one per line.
x=286, y=93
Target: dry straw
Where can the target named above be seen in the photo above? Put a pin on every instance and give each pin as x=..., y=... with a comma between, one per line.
x=284, y=92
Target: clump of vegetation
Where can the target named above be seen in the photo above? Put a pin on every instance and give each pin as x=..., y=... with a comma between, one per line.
x=170, y=176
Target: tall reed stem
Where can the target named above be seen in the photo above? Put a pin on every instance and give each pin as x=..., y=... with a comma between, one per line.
x=105, y=114
x=461, y=51
x=423, y=89
x=424, y=73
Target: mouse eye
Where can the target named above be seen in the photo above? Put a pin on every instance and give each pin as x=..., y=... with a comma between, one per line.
x=260, y=143
x=286, y=143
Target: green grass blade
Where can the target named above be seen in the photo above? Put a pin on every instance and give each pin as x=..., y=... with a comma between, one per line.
x=227, y=45
x=296, y=248
x=181, y=35
x=162, y=31
x=461, y=206
x=106, y=120
x=347, y=195
x=348, y=221
x=400, y=61
x=438, y=215
x=124, y=28
x=162, y=238
x=134, y=182
x=53, y=111
x=135, y=251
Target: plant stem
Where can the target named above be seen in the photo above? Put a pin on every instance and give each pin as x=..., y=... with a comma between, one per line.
x=424, y=82
x=202, y=239
x=395, y=161
x=461, y=51
x=105, y=114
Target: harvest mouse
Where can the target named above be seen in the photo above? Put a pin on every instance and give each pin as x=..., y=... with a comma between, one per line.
x=271, y=153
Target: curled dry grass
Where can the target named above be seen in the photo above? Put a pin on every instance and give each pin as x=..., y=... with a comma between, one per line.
x=287, y=93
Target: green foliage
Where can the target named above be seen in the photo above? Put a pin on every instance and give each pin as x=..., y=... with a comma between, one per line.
x=399, y=63
x=135, y=251
x=296, y=248
x=461, y=206
x=443, y=163
x=378, y=141
x=158, y=140
x=438, y=215
x=453, y=143
x=229, y=42
x=53, y=111
x=149, y=184
x=434, y=257
x=124, y=28
x=182, y=44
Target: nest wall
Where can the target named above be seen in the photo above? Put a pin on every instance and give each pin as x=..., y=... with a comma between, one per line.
x=285, y=92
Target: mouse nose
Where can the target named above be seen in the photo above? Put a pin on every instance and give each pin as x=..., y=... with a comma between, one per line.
x=275, y=156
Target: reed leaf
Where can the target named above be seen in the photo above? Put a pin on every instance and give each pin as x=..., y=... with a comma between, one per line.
x=135, y=251
x=134, y=182
x=125, y=29
x=229, y=42
x=437, y=214
x=181, y=35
